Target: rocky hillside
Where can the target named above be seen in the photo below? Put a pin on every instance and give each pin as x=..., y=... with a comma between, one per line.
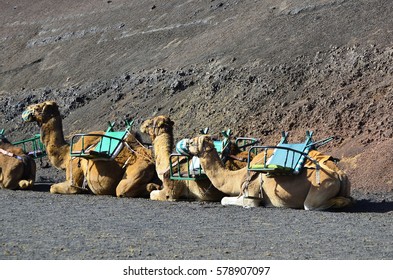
x=256, y=67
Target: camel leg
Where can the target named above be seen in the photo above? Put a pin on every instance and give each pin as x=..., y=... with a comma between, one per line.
x=324, y=196
x=131, y=188
x=65, y=188
x=135, y=181
x=10, y=179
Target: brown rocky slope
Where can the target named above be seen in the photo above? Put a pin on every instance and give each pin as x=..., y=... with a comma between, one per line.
x=257, y=67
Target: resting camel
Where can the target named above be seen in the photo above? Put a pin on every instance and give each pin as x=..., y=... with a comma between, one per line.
x=329, y=189
x=160, y=130
x=17, y=170
x=130, y=174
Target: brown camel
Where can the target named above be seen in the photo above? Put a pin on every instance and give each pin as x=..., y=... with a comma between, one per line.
x=17, y=170
x=130, y=174
x=308, y=190
x=160, y=130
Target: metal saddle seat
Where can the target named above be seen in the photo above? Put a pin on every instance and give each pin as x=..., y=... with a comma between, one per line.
x=286, y=158
x=191, y=167
x=108, y=147
x=31, y=146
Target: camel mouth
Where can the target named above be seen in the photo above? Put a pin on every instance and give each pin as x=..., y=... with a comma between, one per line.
x=182, y=147
x=27, y=116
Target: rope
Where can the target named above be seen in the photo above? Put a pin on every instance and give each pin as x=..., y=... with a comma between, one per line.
x=135, y=152
x=205, y=192
x=246, y=183
x=261, y=185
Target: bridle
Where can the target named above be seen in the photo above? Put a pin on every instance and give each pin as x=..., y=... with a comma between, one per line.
x=204, y=148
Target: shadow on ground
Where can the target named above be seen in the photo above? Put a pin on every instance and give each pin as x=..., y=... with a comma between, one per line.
x=367, y=206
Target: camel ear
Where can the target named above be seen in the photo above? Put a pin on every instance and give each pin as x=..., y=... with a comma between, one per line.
x=168, y=121
x=201, y=141
x=207, y=139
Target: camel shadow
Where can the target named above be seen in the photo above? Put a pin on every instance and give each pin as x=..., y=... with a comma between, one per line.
x=369, y=206
x=42, y=186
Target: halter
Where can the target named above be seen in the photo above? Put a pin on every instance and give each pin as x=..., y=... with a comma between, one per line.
x=26, y=114
x=156, y=128
x=204, y=148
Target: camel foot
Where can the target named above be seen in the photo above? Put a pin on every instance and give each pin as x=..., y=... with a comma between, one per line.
x=342, y=202
x=333, y=203
x=64, y=188
x=25, y=184
x=241, y=201
x=158, y=195
x=152, y=187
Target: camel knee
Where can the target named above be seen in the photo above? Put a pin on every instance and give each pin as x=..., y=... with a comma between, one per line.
x=317, y=204
x=127, y=188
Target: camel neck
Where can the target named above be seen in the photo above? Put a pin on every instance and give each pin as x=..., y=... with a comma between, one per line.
x=52, y=137
x=225, y=180
x=163, y=145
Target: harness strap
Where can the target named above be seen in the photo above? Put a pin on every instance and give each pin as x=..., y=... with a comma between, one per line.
x=246, y=183
x=7, y=153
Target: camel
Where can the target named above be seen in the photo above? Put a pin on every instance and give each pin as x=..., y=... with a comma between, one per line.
x=17, y=170
x=308, y=190
x=160, y=130
x=131, y=174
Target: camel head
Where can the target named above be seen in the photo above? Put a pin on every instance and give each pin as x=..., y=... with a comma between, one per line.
x=200, y=145
x=41, y=112
x=157, y=126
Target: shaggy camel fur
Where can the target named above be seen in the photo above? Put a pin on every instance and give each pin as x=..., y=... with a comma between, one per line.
x=160, y=130
x=128, y=175
x=17, y=170
x=332, y=190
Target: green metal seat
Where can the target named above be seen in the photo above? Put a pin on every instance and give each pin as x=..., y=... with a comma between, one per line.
x=191, y=168
x=31, y=146
x=287, y=158
x=243, y=143
x=184, y=166
x=109, y=146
